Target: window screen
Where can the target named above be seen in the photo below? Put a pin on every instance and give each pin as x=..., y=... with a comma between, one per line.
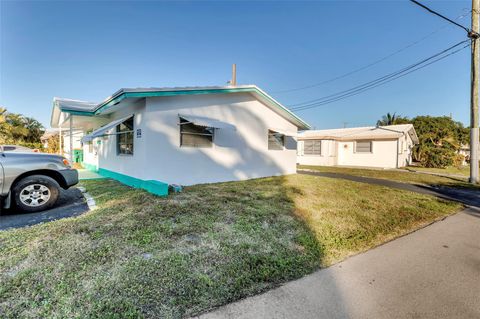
x=194, y=135
x=312, y=147
x=125, y=137
x=276, y=141
x=363, y=147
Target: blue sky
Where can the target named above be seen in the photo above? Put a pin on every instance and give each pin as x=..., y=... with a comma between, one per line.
x=87, y=50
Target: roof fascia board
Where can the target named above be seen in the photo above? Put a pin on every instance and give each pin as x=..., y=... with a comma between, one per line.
x=280, y=106
x=348, y=138
x=120, y=95
x=82, y=113
x=117, y=98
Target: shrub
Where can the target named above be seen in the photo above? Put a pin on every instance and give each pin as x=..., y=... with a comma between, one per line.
x=437, y=157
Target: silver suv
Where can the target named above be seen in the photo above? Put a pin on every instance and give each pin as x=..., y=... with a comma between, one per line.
x=32, y=181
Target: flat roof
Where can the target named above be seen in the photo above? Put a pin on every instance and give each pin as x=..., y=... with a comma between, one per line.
x=359, y=133
x=77, y=107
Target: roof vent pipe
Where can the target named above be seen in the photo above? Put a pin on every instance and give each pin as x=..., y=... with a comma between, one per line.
x=233, y=82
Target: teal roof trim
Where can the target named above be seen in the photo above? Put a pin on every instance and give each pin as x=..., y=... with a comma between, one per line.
x=123, y=95
x=82, y=113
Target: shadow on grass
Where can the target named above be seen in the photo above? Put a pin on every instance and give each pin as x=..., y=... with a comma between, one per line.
x=145, y=256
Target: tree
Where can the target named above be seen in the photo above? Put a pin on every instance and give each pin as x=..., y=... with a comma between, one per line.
x=20, y=130
x=35, y=130
x=53, y=144
x=440, y=138
x=392, y=119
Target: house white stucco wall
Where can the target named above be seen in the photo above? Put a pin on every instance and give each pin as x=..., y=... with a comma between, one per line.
x=131, y=165
x=76, y=139
x=383, y=155
x=327, y=157
x=405, y=151
x=236, y=154
x=90, y=152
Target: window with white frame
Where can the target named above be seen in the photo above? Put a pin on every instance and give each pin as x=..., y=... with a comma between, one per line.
x=125, y=137
x=312, y=147
x=276, y=141
x=363, y=147
x=192, y=135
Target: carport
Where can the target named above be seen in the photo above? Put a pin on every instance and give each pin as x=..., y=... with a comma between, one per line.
x=74, y=117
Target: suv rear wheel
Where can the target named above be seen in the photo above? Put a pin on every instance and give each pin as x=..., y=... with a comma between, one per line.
x=35, y=193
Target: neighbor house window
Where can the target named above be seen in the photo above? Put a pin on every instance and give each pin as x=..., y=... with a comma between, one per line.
x=276, y=141
x=125, y=137
x=192, y=135
x=312, y=147
x=363, y=147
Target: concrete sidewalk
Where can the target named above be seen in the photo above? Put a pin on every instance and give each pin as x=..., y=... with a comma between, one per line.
x=431, y=273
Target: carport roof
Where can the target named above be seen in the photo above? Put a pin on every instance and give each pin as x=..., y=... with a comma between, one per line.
x=83, y=108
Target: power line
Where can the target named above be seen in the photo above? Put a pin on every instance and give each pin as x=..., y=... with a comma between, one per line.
x=382, y=78
x=370, y=64
x=373, y=84
x=441, y=15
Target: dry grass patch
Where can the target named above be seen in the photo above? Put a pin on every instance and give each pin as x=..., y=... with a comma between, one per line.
x=405, y=176
x=463, y=170
x=139, y=255
x=349, y=217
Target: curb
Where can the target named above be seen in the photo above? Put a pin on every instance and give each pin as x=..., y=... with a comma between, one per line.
x=88, y=198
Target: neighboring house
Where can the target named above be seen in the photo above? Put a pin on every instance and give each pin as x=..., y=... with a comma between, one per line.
x=465, y=151
x=382, y=146
x=76, y=140
x=152, y=137
x=46, y=136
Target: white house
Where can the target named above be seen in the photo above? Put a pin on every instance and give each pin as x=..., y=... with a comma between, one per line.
x=382, y=146
x=76, y=140
x=153, y=137
x=46, y=136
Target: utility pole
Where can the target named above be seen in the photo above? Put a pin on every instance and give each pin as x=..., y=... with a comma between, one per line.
x=474, y=74
x=474, y=139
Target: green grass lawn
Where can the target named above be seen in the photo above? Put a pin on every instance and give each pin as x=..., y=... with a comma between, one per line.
x=463, y=170
x=396, y=175
x=138, y=255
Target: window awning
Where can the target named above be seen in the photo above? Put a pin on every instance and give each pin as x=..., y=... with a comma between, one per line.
x=207, y=122
x=101, y=131
x=283, y=132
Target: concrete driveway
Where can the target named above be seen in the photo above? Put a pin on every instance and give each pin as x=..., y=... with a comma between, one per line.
x=431, y=273
x=71, y=203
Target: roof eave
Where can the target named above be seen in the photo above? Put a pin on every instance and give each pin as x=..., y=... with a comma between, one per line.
x=122, y=94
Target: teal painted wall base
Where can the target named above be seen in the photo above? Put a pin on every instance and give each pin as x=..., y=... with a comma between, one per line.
x=90, y=167
x=151, y=186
